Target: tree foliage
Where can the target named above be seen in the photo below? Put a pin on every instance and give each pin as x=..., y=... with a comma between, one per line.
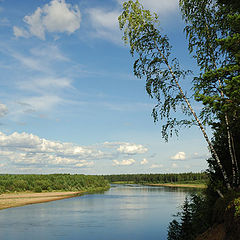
x=153, y=51
x=212, y=29
x=159, y=178
x=162, y=72
x=193, y=219
x=52, y=182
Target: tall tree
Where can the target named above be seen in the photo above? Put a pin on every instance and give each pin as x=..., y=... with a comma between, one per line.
x=162, y=72
x=214, y=41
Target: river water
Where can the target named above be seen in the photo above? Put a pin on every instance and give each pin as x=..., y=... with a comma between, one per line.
x=125, y=212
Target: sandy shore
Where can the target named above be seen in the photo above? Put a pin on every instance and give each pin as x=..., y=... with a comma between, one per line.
x=9, y=200
x=179, y=185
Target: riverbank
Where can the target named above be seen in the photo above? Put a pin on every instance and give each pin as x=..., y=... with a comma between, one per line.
x=184, y=185
x=9, y=200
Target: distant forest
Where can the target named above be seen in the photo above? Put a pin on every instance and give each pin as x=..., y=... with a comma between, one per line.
x=79, y=182
x=159, y=178
x=51, y=182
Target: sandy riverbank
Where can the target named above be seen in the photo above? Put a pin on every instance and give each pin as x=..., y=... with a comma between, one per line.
x=9, y=200
x=179, y=185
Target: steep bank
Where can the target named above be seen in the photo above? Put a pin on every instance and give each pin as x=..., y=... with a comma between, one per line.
x=226, y=227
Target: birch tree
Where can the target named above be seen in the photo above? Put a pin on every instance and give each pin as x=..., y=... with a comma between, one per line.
x=152, y=51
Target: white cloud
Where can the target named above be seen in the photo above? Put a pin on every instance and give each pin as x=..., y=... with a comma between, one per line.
x=103, y=18
x=144, y=161
x=61, y=17
x=19, y=32
x=55, y=17
x=29, y=150
x=41, y=103
x=32, y=63
x=41, y=85
x=105, y=24
x=124, y=162
x=129, y=148
x=179, y=156
x=126, y=148
x=3, y=110
x=24, y=148
x=34, y=21
x=156, y=166
x=49, y=52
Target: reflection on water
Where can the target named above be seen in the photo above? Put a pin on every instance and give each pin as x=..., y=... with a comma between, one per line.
x=132, y=212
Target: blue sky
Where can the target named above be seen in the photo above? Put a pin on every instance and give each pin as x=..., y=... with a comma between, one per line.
x=69, y=101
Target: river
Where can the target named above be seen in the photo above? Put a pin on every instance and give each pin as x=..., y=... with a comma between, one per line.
x=125, y=212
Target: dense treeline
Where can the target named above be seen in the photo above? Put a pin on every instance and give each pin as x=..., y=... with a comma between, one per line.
x=52, y=182
x=159, y=178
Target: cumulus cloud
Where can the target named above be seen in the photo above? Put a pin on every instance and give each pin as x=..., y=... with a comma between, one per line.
x=29, y=150
x=131, y=149
x=179, y=156
x=126, y=148
x=55, y=17
x=3, y=110
x=124, y=162
x=144, y=161
x=24, y=148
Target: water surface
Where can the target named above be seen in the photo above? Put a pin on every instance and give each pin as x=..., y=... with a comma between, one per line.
x=129, y=212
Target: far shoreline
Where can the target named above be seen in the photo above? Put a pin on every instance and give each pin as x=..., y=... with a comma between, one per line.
x=181, y=185
x=184, y=185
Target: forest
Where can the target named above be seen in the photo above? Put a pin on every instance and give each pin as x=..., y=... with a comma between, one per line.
x=159, y=178
x=51, y=182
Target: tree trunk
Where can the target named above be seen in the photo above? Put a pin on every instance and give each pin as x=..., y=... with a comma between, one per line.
x=214, y=153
